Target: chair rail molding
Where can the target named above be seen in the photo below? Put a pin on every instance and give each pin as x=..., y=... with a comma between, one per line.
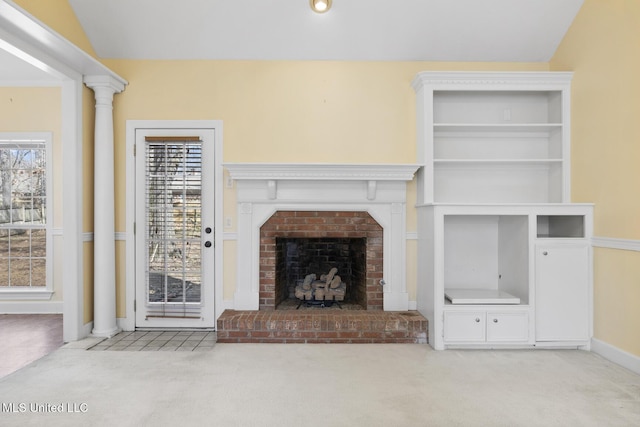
x=615, y=243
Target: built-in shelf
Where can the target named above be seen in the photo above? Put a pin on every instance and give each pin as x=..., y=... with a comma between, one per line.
x=496, y=127
x=487, y=253
x=497, y=162
x=560, y=226
x=487, y=138
x=479, y=296
x=503, y=254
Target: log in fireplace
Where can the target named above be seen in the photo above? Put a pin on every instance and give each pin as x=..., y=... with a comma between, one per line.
x=321, y=271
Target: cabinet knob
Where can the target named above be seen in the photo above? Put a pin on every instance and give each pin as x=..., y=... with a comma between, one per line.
x=495, y=320
x=477, y=320
x=545, y=253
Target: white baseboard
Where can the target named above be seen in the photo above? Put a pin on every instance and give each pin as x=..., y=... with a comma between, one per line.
x=614, y=354
x=31, y=307
x=126, y=324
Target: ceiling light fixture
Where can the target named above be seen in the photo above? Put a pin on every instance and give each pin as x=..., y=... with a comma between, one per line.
x=320, y=6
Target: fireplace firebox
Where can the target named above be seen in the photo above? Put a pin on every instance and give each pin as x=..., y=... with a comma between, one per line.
x=297, y=258
x=295, y=244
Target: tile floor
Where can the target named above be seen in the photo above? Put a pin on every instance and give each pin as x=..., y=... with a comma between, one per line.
x=25, y=338
x=158, y=341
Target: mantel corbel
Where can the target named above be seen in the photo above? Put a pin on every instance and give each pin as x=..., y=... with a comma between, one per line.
x=372, y=188
x=272, y=189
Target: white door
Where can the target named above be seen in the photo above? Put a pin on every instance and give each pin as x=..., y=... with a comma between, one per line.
x=562, y=292
x=174, y=230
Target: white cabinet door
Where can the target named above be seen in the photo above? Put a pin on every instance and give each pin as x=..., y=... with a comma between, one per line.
x=562, y=292
x=464, y=326
x=507, y=327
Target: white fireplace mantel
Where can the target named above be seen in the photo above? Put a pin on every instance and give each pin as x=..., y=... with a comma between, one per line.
x=324, y=171
x=265, y=188
x=272, y=173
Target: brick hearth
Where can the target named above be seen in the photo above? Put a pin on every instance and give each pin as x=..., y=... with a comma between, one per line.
x=322, y=326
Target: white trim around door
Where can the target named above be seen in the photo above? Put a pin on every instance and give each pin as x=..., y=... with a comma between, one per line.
x=128, y=323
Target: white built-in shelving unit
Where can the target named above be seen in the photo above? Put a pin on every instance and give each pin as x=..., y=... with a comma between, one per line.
x=504, y=256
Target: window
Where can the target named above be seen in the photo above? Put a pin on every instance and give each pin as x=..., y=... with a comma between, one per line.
x=24, y=212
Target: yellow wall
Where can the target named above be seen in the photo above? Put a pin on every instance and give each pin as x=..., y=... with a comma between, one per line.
x=38, y=109
x=602, y=49
x=287, y=111
x=88, y=125
x=283, y=111
x=617, y=298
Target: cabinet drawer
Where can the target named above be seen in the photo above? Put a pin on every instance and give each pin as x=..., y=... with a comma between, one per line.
x=466, y=326
x=507, y=326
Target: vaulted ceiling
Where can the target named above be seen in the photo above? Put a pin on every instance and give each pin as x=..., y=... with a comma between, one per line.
x=383, y=30
x=396, y=30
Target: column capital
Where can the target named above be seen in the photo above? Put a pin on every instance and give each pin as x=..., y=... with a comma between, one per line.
x=104, y=82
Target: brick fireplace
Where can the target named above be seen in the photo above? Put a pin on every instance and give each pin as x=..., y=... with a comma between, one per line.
x=262, y=190
x=328, y=205
x=296, y=243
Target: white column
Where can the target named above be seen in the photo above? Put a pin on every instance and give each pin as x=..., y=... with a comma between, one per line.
x=104, y=253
